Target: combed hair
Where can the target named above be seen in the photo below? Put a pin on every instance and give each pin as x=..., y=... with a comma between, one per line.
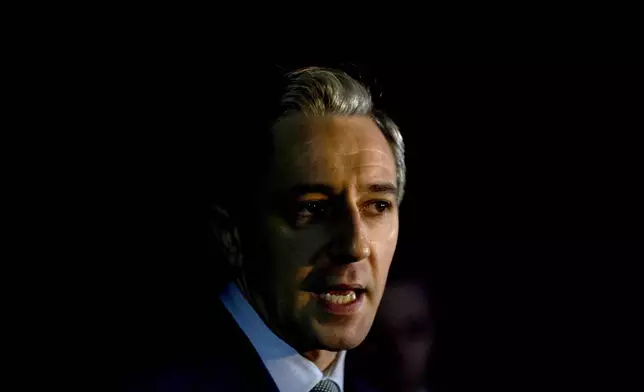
x=316, y=91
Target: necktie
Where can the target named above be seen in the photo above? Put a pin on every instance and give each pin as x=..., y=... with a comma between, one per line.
x=326, y=386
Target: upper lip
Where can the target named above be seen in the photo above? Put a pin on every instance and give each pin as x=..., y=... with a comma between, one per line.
x=337, y=286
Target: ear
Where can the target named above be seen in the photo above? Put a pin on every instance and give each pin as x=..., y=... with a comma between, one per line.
x=227, y=235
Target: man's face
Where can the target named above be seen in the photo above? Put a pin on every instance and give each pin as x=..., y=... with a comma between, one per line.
x=326, y=235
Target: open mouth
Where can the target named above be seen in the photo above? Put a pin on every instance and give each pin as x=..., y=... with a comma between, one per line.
x=340, y=299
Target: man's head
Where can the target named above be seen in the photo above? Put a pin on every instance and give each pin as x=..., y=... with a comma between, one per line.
x=319, y=227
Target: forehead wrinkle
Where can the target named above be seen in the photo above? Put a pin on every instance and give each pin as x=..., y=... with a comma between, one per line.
x=374, y=173
x=376, y=156
x=366, y=150
x=374, y=165
x=369, y=171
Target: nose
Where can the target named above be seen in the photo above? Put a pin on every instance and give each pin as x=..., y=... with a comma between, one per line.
x=351, y=242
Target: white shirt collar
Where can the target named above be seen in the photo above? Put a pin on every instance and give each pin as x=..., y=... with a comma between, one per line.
x=291, y=371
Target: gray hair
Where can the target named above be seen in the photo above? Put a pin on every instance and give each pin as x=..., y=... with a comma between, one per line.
x=316, y=91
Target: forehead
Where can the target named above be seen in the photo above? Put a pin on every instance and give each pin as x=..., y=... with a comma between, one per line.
x=332, y=150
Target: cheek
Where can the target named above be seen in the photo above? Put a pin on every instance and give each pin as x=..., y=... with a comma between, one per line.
x=302, y=298
x=384, y=234
x=392, y=235
x=290, y=248
x=293, y=254
x=383, y=244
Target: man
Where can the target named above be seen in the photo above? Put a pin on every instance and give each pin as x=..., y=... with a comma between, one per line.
x=310, y=234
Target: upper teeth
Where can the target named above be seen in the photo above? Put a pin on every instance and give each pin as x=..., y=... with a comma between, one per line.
x=339, y=299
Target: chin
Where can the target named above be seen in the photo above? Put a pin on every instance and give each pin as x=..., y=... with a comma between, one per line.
x=340, y=337
x=337, y=343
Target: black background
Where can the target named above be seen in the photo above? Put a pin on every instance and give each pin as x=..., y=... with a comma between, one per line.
x=521, y=210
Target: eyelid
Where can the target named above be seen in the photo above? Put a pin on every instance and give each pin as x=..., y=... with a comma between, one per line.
x=309, y=202
x=305, y=215
x=373, y=201
x=389, y=206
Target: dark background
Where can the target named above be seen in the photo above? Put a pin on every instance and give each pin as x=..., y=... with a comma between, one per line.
x=521, y=210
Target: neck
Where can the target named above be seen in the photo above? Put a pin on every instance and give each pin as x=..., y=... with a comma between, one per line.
x=321, y=358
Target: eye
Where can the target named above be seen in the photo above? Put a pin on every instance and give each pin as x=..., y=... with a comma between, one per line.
x=378, y=207
x=311, y=207
x=311, y=211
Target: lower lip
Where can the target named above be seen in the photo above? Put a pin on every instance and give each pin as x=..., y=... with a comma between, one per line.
x=341, y=309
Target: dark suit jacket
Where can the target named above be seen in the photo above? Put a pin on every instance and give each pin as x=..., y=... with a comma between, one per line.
x=221, y=360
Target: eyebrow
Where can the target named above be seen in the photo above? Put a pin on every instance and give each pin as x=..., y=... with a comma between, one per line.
x=386, y=187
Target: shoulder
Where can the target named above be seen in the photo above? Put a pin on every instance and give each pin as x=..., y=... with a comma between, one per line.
x=217, y=357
